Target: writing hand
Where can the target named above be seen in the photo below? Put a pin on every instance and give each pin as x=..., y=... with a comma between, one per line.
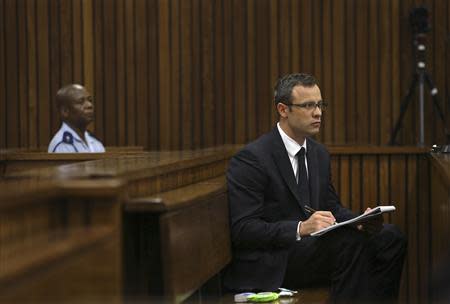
x=318, y=220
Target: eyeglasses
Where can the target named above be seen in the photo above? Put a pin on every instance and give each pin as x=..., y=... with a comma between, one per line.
x=310, y=105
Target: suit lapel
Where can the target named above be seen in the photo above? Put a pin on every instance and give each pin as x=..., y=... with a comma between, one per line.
x=281, y=160
x=313, y=165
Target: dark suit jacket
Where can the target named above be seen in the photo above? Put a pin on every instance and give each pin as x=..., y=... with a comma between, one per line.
x=265, y=208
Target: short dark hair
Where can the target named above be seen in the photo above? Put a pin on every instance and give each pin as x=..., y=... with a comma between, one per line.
x=285, y=85
x=66, y=93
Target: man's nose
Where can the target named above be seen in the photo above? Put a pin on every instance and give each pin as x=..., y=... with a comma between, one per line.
x=317, y=112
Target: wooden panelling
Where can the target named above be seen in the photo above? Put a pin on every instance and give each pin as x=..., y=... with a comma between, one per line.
x=183, y=74
x=202, y=232
x=3, y=109
x=383, y=176
x=60, y=242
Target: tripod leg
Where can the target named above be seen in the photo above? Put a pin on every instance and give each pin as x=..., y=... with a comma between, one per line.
x=434, y=95
x=403, y=107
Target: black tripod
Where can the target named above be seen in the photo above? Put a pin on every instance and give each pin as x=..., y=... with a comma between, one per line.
x=420, y=78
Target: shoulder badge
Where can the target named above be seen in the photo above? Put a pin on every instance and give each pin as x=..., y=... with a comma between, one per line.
x=68, y=138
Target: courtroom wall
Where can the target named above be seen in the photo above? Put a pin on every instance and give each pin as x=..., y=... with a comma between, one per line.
x=181, y=74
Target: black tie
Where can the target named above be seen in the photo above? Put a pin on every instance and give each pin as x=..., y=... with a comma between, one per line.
x=302, y=177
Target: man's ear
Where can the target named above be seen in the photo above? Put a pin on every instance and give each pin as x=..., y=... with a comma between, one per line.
x=282, y=109
x=64, y=111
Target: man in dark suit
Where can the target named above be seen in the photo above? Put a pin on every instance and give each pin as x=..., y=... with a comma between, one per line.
x=272, y=182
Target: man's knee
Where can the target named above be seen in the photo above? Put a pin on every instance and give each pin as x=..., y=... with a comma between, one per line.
x=390, y=237
x=393, y=234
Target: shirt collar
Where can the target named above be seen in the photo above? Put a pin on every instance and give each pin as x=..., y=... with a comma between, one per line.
x=66, y=127
x=292, y=147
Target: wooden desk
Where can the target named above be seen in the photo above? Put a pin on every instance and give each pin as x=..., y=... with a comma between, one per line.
x=146, y=174
x=60, y=241
x=44, y=149
x=16, y=161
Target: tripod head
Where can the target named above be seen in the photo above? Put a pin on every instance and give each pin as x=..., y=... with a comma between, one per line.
x=420, y=26
x=419, y=20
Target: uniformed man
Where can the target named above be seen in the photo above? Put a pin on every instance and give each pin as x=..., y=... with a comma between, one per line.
x=75, y=106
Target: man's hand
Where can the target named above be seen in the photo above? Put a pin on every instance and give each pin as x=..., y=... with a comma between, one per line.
x=318, y=220
x=372, y=225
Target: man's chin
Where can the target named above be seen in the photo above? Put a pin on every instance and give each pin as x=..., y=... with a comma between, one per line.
x=314, y=131
x=88, y=119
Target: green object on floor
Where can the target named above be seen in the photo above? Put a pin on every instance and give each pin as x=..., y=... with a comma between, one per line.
x=263, y=297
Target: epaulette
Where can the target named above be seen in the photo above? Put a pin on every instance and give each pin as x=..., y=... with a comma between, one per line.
x=68, y=138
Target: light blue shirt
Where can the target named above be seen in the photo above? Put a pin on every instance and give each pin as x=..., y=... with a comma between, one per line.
x=66, y=140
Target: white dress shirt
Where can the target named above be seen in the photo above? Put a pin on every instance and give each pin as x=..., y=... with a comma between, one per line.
x=292, y=148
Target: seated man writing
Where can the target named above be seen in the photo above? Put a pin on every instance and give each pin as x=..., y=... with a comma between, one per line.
x=275, y=184
x=76, y=109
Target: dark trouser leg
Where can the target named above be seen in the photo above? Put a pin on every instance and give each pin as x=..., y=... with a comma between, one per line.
x=386, y=252
x=360, y=268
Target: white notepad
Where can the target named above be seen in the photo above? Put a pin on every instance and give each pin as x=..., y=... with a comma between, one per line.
x=375, y=211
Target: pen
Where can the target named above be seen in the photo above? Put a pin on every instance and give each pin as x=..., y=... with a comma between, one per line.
x=309, y=209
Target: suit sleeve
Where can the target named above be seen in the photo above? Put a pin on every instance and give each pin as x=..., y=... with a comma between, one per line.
x=247, y=182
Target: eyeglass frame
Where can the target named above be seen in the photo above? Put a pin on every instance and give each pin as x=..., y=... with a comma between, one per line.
x=322, y=105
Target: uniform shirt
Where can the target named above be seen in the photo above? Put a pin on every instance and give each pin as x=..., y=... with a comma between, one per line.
x=66, y=140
